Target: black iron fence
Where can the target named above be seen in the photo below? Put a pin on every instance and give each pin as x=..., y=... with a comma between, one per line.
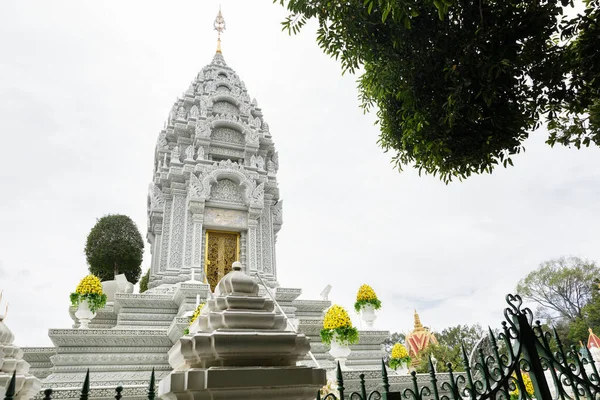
x=526, y=362
x=85, y=389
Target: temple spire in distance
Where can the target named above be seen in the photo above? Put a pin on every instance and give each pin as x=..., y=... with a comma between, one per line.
x=219, y=25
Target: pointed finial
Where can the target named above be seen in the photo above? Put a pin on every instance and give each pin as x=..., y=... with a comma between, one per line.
x=219, y=25
x=418, y=324
x=3, y=317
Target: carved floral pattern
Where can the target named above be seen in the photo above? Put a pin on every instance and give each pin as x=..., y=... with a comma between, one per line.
x=225, y=107
x=164, y=251
x=189, y=232
x=227, y=135
x=176, y=256
x=227, y=191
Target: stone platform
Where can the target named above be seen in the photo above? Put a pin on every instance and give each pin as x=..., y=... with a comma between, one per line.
x=132, y=336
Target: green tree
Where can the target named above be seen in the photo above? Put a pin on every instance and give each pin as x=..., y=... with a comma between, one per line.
x=590, y=318
x=561, y=287
x=144, y=281
x=460, y=84
x=448, y=349
x=114, y=246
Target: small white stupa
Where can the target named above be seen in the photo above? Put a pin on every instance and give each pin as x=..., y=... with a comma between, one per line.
x=242, y=350
x=12, y=363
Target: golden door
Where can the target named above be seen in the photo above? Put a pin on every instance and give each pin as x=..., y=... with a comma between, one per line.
x=222, y=250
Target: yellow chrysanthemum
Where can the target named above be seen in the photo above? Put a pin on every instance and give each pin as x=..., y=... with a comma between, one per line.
x=399, y=351
x=528, y=385
x=336, y=317
x=196, y=313
x=366, y=292
x=89, y=285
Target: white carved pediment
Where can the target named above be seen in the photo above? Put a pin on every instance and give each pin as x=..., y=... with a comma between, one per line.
x=227, y=191
x=232, y=171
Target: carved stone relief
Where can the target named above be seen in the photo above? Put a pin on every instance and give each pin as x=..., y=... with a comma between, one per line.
x=176, y=256
x=227, y=191
x=224, y=107
x=227, y=135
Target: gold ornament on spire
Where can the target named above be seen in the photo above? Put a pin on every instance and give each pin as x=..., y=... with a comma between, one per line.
x=418, y=324
x=219, y=25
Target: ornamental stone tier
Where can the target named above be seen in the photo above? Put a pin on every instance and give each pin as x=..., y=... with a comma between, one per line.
x=213, y=200
x=242, y=351
x=11, y=362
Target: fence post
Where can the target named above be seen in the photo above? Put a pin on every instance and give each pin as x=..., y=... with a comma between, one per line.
x=151, y=393
x=48, y=394
x=363, y=389
x=386, y=382
x=85, y=390
x=118, y=391
x=340, y=381
x=529, y=345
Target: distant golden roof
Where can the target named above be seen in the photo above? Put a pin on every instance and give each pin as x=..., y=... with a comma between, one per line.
x=419, y=338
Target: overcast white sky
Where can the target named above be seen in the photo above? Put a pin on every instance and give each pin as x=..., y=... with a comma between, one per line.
x=85, y=87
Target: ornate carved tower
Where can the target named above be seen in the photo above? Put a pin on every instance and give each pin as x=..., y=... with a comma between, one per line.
x=214, y=197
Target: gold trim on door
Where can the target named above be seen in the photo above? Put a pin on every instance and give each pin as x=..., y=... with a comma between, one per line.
x=221, y=250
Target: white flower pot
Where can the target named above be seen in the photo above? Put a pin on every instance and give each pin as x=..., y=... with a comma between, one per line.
x=402, y=369
x=84, y=315
x=339, y=351
x=367, y=313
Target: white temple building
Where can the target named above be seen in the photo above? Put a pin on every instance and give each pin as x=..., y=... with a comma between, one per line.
x=213, y=200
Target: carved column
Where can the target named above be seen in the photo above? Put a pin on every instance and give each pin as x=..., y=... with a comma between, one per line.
x=177, y=232
x=166, y=231
x=196, y=208
x=155, y=249
x=252, y=245
x=243, y=248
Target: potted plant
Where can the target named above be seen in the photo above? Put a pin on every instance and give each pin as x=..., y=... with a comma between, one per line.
x=366, y=304
x=193, y=328
x=399, y=359
x=339, y=333
x=88, y=298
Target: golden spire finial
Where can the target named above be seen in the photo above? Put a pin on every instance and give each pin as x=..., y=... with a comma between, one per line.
x=418, y=324
x=219, y=25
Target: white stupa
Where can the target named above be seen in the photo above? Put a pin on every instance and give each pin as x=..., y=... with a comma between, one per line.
x=213, y=200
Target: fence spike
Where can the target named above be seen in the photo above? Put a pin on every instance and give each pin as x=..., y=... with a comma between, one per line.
x=363, y=389
x=433, y=379
x=470, y=385
x=384, y=377
x=12, y=385
x=48, y=394
x=453, y=386
x=151, y=393
x=416, y=391
x=319, y=394
x=118, y=391
x=340, y=381
x=85, y=390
